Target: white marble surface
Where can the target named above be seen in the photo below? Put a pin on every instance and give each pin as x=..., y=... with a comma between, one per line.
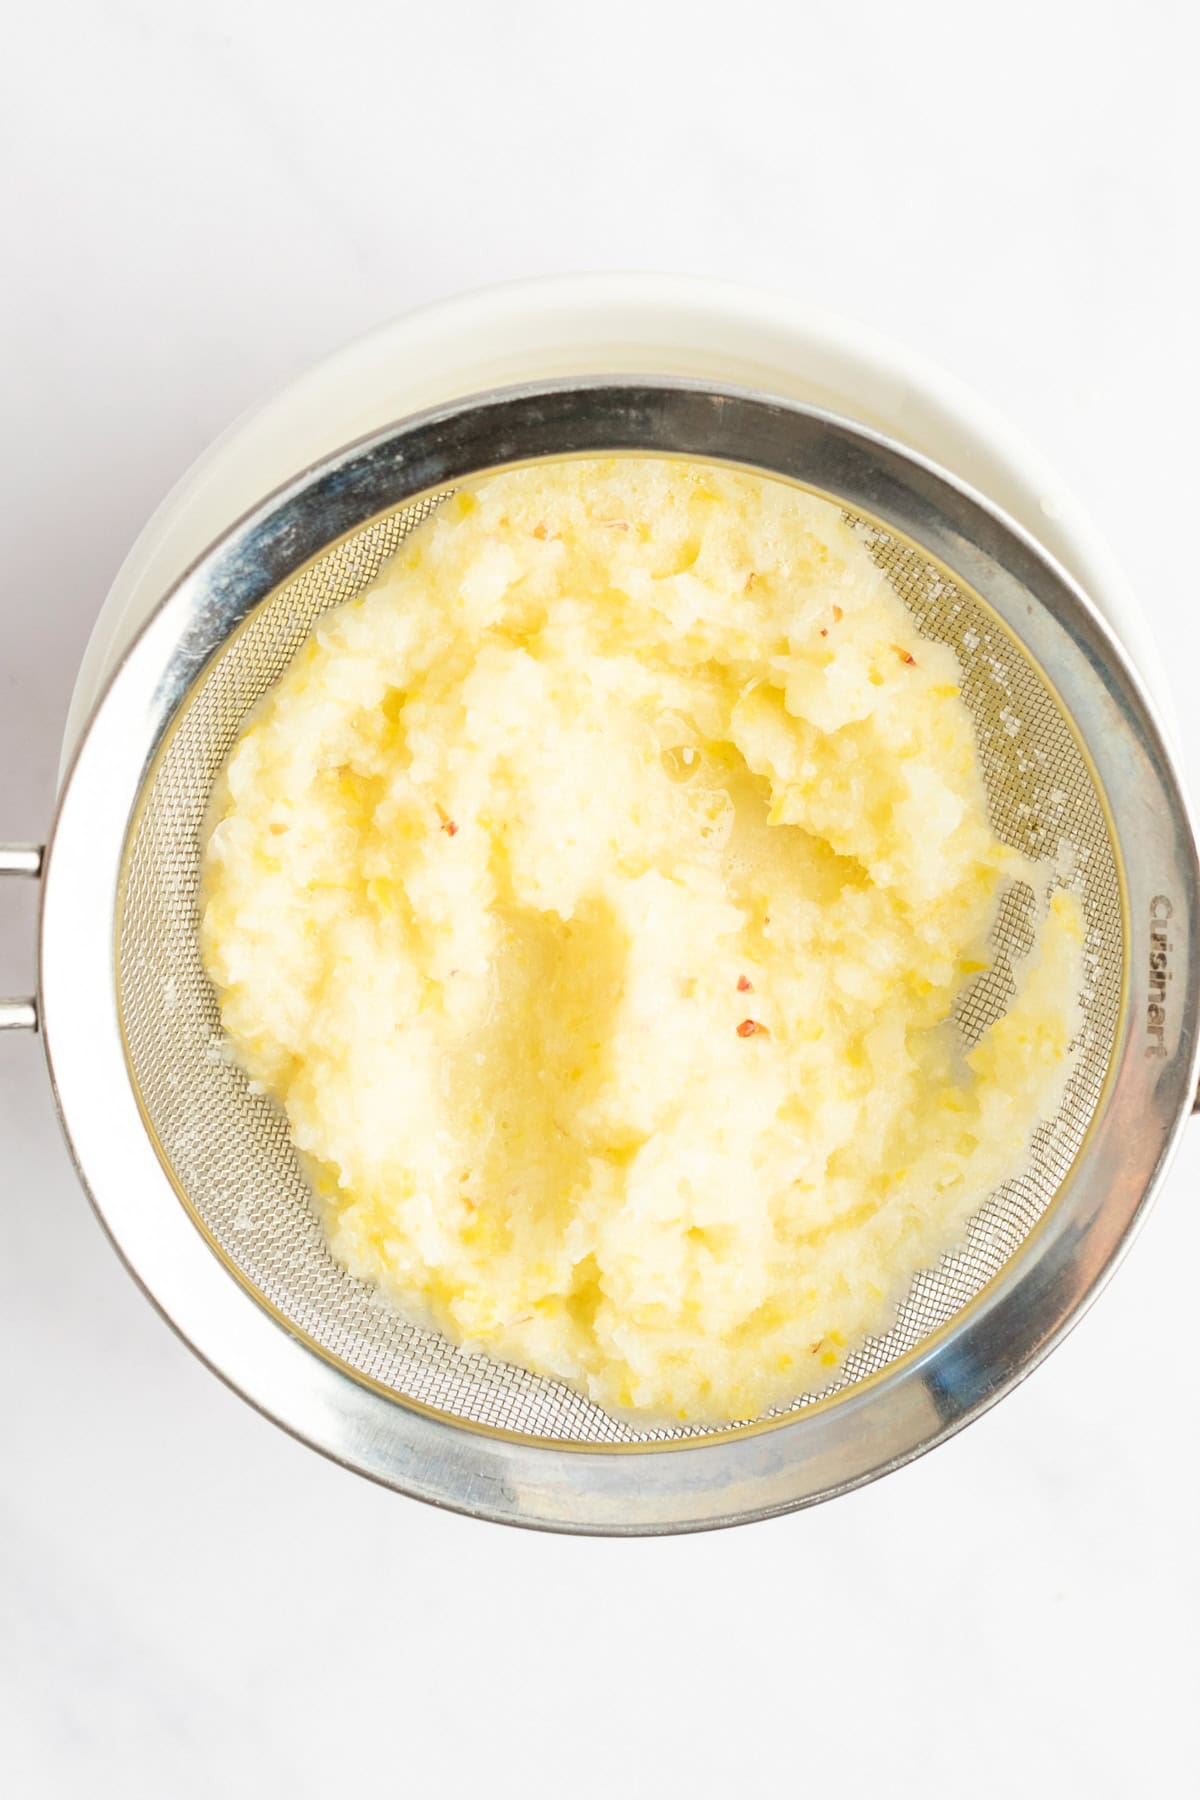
x=197, y=201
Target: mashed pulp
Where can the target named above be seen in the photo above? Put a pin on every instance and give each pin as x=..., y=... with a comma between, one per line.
x=592, y=895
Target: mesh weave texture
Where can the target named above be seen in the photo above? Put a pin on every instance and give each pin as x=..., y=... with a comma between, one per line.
x=228, y=1151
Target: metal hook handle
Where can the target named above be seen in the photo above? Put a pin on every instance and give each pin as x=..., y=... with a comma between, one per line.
x=20, y=859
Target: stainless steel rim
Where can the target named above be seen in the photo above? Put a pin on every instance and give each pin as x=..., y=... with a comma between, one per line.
x=897, y=1414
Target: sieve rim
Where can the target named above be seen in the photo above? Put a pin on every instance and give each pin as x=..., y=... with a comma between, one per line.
x=575, y=1489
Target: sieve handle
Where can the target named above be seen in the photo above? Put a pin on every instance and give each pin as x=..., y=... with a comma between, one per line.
x=20, y=859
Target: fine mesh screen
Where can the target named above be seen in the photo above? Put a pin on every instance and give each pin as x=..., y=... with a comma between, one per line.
x=228, y=1149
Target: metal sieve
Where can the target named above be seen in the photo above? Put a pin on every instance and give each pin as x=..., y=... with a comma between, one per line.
x=194, y=1175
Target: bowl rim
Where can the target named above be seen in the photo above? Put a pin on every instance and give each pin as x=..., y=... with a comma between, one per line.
x=616, y=322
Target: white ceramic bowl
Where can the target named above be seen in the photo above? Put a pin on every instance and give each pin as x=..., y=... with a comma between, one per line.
x=610, y=326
